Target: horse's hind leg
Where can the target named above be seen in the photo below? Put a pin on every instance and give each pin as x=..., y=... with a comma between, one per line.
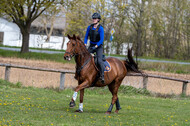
x=117, y=106
x=113, y=87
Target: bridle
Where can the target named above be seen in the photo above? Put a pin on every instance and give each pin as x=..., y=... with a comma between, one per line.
x=73, y=52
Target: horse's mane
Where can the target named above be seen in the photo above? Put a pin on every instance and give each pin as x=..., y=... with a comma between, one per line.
x=83, y=47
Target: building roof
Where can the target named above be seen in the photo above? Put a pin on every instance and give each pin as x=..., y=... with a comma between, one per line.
x=59, y=23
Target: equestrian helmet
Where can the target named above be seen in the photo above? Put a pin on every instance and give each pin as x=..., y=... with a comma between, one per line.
x=96, y=16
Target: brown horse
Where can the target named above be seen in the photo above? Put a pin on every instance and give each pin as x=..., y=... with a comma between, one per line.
x=86, y=72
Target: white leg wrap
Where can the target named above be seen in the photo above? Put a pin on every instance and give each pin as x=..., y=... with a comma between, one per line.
x=75, y=96
x=81, y=106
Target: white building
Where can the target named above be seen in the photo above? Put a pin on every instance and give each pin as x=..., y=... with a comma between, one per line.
x=10, y=35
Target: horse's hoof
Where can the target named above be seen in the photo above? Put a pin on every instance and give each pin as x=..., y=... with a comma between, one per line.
x=72, y=104
x=116, y=111
x=79, y=111
x=108, y=113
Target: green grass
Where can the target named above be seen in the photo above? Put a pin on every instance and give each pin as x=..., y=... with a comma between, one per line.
x=165, y=59
x=47, y=107
x=36, y=56
x=165, y=67
x=34, y=48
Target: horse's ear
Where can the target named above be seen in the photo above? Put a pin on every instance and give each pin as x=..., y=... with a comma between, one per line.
x=78, y=37
x=74, y=37
x=69, y=36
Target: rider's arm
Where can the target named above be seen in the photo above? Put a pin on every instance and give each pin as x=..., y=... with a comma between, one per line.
x=101, y=31
x=86, y=36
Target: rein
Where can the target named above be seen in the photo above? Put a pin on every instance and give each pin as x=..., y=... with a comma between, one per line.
x=79, y=69
x=86, y=62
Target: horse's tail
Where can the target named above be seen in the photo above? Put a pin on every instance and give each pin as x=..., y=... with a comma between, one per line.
x=130, y=64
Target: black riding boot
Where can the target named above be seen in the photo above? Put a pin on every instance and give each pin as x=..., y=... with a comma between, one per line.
x=102, y=79
x=102, y=73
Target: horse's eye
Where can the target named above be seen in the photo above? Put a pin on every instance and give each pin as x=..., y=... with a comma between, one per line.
x=73, y=44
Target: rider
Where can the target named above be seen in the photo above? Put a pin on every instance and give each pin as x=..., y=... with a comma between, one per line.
x=96, y=33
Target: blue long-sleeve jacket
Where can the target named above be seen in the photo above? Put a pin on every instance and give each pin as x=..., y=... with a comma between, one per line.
x=100, y=31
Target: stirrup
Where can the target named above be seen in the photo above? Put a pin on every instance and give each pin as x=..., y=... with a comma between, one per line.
x=102, y=79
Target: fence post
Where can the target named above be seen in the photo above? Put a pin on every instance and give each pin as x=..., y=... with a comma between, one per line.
x=7, y=72
x=184, y=88
x=145, y=80
x=62, y=81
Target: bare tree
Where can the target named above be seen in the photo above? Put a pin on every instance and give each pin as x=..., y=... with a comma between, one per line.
x=49, y=16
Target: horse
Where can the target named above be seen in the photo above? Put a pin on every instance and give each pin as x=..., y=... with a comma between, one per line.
x=86, y=72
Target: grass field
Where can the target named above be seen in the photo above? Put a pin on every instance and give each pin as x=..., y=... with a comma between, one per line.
x=46, y=107
x=34, y=55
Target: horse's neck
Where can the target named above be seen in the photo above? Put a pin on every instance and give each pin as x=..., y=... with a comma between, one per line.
x=81, y=59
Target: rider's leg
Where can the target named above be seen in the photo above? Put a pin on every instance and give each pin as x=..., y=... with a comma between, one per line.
x=99, y=53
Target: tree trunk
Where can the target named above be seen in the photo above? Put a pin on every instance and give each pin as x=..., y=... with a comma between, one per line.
x=139, y=31
x=107, y=41
x=118, y=49
x=62, y=45
x=25, y=38
x=139, y=41
x=188, y=46
x=25, y=43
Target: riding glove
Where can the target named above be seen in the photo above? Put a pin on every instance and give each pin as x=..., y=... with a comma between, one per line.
x=93, y=48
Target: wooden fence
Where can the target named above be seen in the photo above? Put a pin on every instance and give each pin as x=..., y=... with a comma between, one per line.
x=63, y=72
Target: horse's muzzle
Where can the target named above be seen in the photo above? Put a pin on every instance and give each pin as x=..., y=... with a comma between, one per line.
x=67, y=57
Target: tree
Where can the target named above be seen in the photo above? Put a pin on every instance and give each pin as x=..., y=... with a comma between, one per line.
x=23, y=13
x=78, y=16
x=169, y=28
x=120, y=25
x=136, y=15
x=48, y=18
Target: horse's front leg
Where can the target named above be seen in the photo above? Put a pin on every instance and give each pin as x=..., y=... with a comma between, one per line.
x=80, y=110
x=81, y=89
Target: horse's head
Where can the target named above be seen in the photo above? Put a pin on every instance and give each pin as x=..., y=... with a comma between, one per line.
x=72, y=47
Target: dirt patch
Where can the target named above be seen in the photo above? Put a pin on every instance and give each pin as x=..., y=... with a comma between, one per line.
x=51, y=79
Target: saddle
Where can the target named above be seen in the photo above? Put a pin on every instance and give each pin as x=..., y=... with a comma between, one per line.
x=107, y=66
x=106, y=63
x=96, y=59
